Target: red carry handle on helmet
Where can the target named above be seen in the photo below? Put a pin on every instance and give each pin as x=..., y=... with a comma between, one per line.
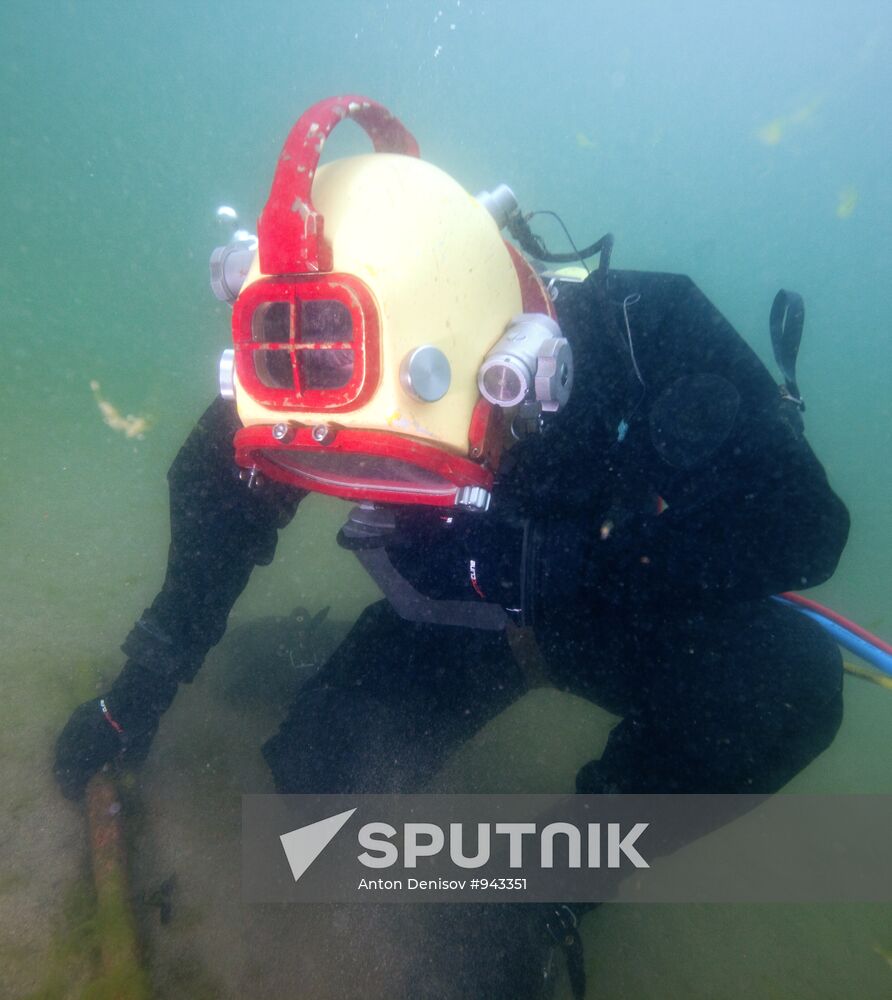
x=291, y=238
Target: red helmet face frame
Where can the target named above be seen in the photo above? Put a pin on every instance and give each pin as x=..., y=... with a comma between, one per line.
x=307, y=342
x=360, y=465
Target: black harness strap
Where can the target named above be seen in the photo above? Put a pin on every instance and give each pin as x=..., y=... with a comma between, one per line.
x=415, y=607
x=786, y=322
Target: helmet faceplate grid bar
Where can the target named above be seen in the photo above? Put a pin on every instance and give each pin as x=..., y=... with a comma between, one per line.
x=352, y=298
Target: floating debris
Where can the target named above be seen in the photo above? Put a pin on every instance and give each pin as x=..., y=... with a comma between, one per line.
x=848, y=200
x=130, y=426
x=773, y=132
x=885, y=953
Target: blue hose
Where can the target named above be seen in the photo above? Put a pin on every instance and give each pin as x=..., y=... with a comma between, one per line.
x=853, y=643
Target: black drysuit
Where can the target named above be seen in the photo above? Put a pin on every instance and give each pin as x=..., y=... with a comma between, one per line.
x=660, y=510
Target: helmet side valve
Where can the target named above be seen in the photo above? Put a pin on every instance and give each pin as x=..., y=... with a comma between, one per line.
x=229, y=264
x=532, y=361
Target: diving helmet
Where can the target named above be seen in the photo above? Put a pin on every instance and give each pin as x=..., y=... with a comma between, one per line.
x=384, y=329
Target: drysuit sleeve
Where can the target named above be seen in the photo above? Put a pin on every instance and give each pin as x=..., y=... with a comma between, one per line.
x=749, y=511
x=219, y=531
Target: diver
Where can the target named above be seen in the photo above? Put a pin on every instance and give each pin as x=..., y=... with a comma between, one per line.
x=594, y=463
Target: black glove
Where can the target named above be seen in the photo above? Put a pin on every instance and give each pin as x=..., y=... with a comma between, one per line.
x=121, y=724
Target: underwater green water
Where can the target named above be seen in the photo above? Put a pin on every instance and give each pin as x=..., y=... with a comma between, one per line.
x=745, y=144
